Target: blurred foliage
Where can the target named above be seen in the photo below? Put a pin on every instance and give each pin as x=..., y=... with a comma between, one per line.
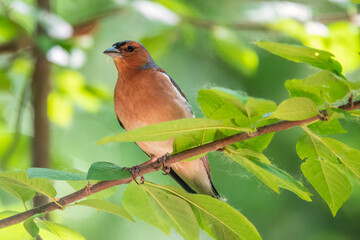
x=200, y=44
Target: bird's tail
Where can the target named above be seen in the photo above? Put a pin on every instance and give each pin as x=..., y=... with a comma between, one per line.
x=194, y=176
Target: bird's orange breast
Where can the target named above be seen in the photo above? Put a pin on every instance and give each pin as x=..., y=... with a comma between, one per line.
x=147, y=97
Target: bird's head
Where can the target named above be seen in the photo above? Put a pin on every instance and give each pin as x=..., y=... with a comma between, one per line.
x=130, y=55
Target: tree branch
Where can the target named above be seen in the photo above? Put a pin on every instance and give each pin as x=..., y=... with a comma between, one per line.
x=157, y=165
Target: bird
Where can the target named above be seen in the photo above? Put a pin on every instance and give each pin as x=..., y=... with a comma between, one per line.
x=145, y=94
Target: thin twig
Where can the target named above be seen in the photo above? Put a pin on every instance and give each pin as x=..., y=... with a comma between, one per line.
x=155, y=166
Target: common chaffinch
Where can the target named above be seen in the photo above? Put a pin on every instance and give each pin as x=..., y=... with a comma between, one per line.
x=145, y=94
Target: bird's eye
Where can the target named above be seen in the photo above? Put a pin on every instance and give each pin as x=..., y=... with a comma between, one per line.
x=130, y=48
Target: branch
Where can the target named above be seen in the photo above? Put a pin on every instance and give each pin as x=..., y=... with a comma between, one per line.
x=157, y=165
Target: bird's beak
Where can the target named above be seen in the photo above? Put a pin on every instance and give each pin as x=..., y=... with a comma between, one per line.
x=112, y=52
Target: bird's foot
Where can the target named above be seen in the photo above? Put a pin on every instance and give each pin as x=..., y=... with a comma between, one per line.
x=162, y=160
x=135, y=170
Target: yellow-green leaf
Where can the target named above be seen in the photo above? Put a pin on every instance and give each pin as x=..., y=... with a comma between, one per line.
x=167, y=130
x=329, y=182
x=297, y=108
x=39, y=185
x=100, y=204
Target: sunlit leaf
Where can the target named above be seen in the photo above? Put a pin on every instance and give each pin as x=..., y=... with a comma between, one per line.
x=49, y=230
x=106, y=206
x=329, y=182
x=298, y=88
x=39, y=185
x=317, y=58
x=308, y=146
x=16, y=231
x=332, y=88
x=313, y=146
x=297, y=108
x=349, y=157
x=273, y=177
x=107, y=171
x=21, y=192
x=160, y=209
x=216, y=217
x=217, y=104
x=326, y=127
x=191, y=140
x=167, y=130
x=258, y=107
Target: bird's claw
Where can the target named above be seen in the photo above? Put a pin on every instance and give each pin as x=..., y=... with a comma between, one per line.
x=162, y=160
x=135, y=170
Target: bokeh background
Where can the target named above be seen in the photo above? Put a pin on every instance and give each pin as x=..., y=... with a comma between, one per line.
x=201, y=44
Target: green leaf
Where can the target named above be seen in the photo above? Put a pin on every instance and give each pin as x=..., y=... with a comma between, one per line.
x=218, y=104
x=355, y=113
x=297, y=108
x=166, y=130
x=310, y=147
x=216, y=217
x=329, y=182
x=51, y=230
x=321, y=87
x=31, y=226
x=21, y=192
x=161, y=210
x=326, y=127
x=234, y=109
x=107, y=171
x=335, y=113
x=257, y=144
x=298, y=88
x=331, y=150
x=259, y=107
x=54, y=174
x=271, y=176
x=39, y=185
x=191, y=140
x=77, y=185
x=332, y=87
x=348, y=156
x=235, y=53
x=106, y=206
x=315, y=57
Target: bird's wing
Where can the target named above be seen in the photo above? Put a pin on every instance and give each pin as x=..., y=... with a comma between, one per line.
x=207, y=168
x=177, y=88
